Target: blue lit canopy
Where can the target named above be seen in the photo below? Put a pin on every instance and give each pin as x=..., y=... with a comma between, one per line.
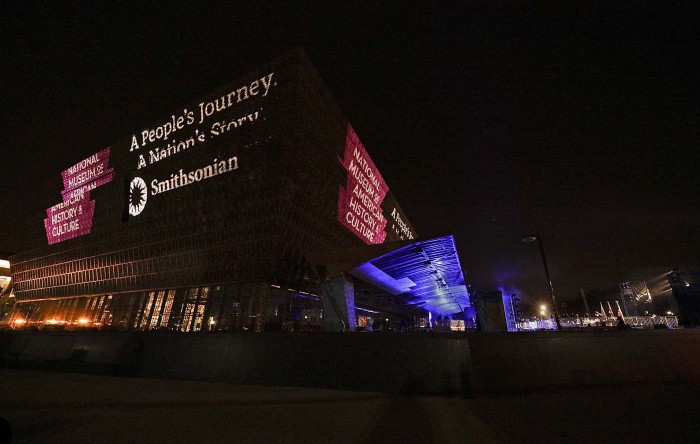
x=426, y=273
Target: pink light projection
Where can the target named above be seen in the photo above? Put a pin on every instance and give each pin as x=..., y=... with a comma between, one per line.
x=85, y=188
x=73, y=217
x=360, y=202
x=69, y=219
x=87, y=170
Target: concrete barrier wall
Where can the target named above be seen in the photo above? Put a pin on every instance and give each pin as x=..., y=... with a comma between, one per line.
x=392, y=363
x=425, y=363
x=544, y=360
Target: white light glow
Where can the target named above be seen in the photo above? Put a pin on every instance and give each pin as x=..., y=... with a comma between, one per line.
x=4, y=263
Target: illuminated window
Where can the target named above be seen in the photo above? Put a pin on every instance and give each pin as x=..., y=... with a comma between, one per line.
x=190, y=303
x=199, y=312
x=147, y=310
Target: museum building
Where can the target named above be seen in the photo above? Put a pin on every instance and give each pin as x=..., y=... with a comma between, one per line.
x=255, y=208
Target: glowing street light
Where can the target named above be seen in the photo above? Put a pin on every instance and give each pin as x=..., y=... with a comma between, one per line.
x=538, y=238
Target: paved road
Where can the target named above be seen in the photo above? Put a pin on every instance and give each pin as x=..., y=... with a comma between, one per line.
x=65, y=407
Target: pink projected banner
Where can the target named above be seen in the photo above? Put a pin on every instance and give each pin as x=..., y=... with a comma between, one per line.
x=70, y=220
x=73, y=217
x=87, y=170
x=360, y=202
x=67, y=202
x=102, y=180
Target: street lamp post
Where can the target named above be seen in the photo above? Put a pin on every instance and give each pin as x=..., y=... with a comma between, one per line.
x=538, y=238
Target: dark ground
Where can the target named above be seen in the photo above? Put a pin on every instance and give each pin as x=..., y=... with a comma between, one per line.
x=75, y=408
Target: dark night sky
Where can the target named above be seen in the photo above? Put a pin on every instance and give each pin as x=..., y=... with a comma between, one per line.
x=489, y=123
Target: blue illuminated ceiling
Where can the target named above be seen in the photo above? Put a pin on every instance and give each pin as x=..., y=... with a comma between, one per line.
x=427, y=274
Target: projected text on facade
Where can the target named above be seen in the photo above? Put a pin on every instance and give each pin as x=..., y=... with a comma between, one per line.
x=73, y=217
x=360, y=202
x=173, y=144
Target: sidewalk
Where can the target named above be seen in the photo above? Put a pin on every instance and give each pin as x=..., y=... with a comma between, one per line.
x=76, y=408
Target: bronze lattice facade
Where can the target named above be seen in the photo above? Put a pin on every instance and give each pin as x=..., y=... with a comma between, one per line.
x=201, y=221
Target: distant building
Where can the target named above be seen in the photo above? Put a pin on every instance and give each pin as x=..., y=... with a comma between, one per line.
x=685, y=286
x=636, y=298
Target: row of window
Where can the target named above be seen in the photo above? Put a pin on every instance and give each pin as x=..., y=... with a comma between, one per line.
x=232, y=307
